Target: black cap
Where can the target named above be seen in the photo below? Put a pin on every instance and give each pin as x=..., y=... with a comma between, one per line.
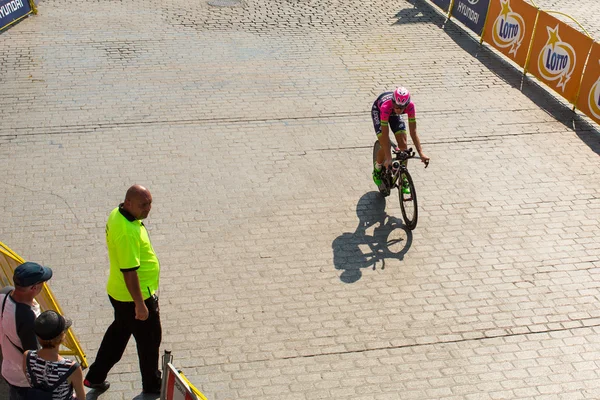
x=50, y=324
x=30, y=273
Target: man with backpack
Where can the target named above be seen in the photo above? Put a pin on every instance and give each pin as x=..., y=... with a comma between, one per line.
x=17, y=317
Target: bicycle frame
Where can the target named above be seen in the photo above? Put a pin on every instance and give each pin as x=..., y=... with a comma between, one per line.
x=393, y=173
x=398, y=171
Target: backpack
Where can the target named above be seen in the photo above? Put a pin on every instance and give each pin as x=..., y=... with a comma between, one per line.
x=2, y=316
x=41, y=391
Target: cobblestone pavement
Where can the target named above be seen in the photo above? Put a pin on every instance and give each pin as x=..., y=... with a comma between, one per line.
x=285, y=275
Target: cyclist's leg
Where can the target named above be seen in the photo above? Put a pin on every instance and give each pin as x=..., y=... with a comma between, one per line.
x=377, y=166
x=399, y=128
x=377, y=126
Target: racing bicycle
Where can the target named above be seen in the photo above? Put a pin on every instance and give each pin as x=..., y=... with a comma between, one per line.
x=397, y=176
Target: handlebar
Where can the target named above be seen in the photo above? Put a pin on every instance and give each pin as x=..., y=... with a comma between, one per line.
x=403, y=155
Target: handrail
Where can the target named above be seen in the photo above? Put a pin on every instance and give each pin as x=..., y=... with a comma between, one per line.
x=49, y=302
x=563, y=14
x=568, y=16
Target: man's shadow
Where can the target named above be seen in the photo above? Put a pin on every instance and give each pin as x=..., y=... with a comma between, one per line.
x=93, y=395
x=354, y=251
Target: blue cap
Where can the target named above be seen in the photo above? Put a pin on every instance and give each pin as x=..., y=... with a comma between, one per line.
x=30, y=273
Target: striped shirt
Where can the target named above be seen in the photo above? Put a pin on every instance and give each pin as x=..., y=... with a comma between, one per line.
x=48, y=372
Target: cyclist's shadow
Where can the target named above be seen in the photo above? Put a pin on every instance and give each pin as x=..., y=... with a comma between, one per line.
x=354, y=251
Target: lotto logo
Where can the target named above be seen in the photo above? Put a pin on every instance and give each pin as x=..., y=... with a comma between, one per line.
x=508, y=29
x=557, y=59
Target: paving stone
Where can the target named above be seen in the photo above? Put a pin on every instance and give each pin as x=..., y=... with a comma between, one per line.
x=284, y=274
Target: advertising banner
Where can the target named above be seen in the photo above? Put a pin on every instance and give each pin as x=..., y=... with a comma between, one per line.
x=510, y=28
x=589, y=95
x=558, y=53
x=471, y=13
x=10, y=10
x=443, y=4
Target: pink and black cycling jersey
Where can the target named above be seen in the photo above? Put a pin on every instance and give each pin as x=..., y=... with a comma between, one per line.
x=383, y=114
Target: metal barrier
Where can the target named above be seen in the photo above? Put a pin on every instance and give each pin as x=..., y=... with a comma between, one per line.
x=9, y=260
x=175, y=386
x=563, y=58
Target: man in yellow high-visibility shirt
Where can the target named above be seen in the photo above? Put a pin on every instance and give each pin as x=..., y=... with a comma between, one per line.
x=132, y=290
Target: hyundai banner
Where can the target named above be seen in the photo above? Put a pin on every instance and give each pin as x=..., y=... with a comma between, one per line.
x=471, y=13
x=443, y=4
x=11, y=10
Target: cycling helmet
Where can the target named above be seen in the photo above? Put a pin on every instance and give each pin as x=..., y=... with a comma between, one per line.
x=401, y=96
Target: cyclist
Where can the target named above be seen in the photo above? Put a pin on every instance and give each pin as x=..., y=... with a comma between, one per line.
x=387, y=112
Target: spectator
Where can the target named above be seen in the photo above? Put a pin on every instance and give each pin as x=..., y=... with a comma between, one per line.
x=19, y=310
x=47, y=370
x=132, y=290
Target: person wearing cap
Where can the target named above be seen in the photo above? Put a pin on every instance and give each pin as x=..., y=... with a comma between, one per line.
x=132, y=290
x=45, y=367
x=17, y=317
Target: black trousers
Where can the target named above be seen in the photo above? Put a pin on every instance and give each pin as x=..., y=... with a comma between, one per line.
x=147, y=334
x=17, y=392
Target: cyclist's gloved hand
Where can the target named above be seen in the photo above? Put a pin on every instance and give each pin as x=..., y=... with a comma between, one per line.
x=387, y=162
x=424, y=159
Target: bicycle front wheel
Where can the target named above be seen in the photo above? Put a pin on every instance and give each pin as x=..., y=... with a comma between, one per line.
x=408, y=200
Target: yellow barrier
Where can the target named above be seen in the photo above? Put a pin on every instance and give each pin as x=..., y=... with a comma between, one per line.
x=192, y=387
x=175, y=385
x=512, y=26
x=562, y=56
x=588, y=99
x=9, y=260
x=558, y=55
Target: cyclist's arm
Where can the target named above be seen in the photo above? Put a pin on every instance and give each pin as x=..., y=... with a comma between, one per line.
x=412, y=125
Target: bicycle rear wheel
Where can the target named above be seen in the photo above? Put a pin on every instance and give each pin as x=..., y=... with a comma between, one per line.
x=408, y=201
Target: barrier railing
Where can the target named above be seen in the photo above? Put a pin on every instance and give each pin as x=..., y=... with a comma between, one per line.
x=565, y=59
x=9, y=260
x=175, y=386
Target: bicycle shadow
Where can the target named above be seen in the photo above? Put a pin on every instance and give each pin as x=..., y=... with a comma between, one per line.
x=390, y=239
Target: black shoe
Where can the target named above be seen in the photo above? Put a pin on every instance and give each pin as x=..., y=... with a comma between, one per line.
x=101, y=387
x=151, y=390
